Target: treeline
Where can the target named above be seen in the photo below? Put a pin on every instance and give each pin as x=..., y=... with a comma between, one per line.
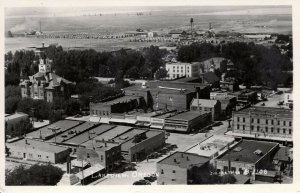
x=254, y=64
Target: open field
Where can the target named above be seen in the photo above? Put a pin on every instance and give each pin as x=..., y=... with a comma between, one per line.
x=161, y=19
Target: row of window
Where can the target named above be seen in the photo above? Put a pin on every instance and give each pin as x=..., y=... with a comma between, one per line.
x=96, y=112
x=266, y=121
x=181, y=67
x=181, y=71
x=266, y=129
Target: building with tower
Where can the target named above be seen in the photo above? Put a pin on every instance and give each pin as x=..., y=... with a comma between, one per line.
x=45, y=85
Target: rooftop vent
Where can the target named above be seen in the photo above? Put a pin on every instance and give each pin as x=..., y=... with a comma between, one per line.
x=258, y=152
x=238, y=149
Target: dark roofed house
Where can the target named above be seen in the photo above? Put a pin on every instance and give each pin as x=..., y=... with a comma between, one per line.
x=210, y=78
x=207, y=105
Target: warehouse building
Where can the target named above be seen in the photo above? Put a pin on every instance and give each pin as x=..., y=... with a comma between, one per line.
x=137, y=148
x=187, y=121
x=174, y=168
x=119, y=105
x=247, y=156
x=53, y=129
x=264, y=123
x=40, y=151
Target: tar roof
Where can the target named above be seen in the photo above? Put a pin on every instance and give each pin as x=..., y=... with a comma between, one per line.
x=204, y=102
x=210, y=77
x=245, y=151
x=110, y=134
x=14, y=116
x=79, y=139
x=149, y=134
x=73, y=132
x=59, y=126
x=129, y=135
x=184, y=160
x=187, y=116
x=38, y=145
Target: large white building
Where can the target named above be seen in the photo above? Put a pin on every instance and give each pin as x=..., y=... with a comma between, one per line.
x=180, y=69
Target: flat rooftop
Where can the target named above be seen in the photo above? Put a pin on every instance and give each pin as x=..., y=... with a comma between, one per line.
x=211, y=146
x=149, y=134
x=112, y=133
x=59, y=126
x=204, y=102
x=266, y=110
x=244, y=151
x=73, y=132
x=128, y=135
x=37, y=145
x=186, y=116
x=14, y=116
x=123, y=99
x=184, y=160
x=83, y=137
x=99, y=145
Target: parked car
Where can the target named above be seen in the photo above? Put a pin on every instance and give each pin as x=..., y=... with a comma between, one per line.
x=142, y=182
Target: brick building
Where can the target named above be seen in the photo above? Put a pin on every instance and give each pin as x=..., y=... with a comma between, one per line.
x=40, y=151
x=247, y=155
x=187, y=121
x=207, y=106
x=264, y=122
x=45, y=85
x=174, y=168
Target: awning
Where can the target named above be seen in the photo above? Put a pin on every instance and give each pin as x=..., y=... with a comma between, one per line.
x=157, y=126
x=79, y=163
x=94, y=119
x=90, y=171
x=130, y=121
x=104, y=120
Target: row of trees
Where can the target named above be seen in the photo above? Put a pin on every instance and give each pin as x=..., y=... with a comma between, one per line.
x=254, y=64
x=35, y=175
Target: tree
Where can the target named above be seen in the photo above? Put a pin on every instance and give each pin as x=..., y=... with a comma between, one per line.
x=161, y=74
x=73, y=108
x=11, y=104
x=35, y=175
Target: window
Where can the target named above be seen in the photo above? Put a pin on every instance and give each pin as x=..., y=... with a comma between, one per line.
x=252, y=127
x=267, y=129
x=278, y=123
x=272, y=130
x=238, y=119
x=233, y=169
x=244, y=119
x=272, y=122
x=257, y=128
x=238, y=127
x=243, y=127
x=290, y=124
x=225, y=168
x=101, y=157
x=47, y=157
x=290, y=131
x=162, y=171
x=283, y=123
x=278, y=130
x=88, y=155
x=39, y=156
x=266, y=121
x=174, y=171
x=283, y=130
x=257, y=120
x=252, y=120
x=173, y=180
